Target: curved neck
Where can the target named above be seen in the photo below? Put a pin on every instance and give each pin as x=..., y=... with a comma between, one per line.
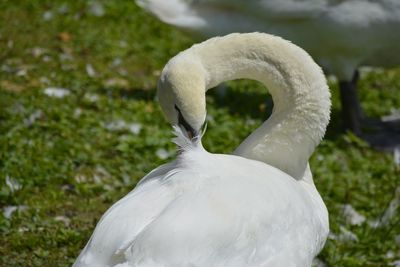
x=296, y=83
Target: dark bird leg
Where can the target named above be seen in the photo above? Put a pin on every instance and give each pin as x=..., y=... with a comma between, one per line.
x=351, y=109
x=383, y=135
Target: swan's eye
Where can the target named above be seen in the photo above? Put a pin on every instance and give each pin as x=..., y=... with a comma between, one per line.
x=182, y=122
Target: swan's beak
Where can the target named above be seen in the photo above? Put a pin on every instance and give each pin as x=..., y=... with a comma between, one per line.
x=197, y=133
x=190, y=131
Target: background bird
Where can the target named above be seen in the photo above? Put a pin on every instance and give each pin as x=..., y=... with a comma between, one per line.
x=340, y=35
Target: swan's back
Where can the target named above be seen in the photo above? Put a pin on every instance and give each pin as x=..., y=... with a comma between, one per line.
x=340, y=35
x=212, y=210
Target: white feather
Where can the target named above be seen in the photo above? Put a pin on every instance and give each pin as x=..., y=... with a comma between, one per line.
x=340, y=35
x=212, y=210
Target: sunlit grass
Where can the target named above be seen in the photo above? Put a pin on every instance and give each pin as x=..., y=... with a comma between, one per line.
x=64, y=161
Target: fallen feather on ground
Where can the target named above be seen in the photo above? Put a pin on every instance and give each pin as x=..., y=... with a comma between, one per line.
x=56, y=92
x=90, y=70
x=123, y=43
x=38, y=51
x=397, y=240
x=9, y=210
x=389, y=213
x=389, y=254
x=163, y=153
x=345, y=235
x=392, y=208
x=48, y=15
x=23, y=229
x=22, y=72
x=396, y=155
x=46, y=58
x=63, y=9
x=77, y=112
x=116, y=82
x=13, y=184
x=97, y=9
x=351, y=216
x=393, y=116
x=92, y=97
x=33, y=117
x=116, y=62
x=44, y=80
x=80, y=178
x=65, y=56
x=6, y=68
x=318, y=263
x=63, y=219
x=118, y=125
x=135, y=128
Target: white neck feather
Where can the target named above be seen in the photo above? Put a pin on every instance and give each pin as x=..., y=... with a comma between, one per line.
x=297, y=85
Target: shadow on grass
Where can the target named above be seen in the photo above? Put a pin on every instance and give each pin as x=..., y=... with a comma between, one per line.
x=256, y=105
x=259, y=105
x=252, y=104
x=129, y=93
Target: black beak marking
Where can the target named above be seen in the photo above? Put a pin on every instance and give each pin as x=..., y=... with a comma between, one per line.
x=181, y=120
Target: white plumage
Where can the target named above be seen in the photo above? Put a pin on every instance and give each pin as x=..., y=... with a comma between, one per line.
x=340, y=35
x=256, y=208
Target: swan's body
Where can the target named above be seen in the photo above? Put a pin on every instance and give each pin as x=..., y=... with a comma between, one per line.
x=339, y=35
x=259, y=208
x=212, y=210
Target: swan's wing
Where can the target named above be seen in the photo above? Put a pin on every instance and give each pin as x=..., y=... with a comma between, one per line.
x=157, y=172
x=125, y=219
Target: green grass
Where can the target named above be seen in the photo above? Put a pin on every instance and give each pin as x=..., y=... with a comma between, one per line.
x=71, y=167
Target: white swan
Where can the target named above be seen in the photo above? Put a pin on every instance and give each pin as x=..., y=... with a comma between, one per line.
x=339, y=35
x=256, y=208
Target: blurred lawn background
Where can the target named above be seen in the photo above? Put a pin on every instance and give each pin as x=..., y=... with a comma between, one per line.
x=67, y=154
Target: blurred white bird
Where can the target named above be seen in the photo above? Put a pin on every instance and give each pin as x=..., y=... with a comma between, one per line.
x=256, y=208
x=339, y=35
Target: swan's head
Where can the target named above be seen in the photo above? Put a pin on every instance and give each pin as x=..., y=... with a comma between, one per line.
x=181, y=92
